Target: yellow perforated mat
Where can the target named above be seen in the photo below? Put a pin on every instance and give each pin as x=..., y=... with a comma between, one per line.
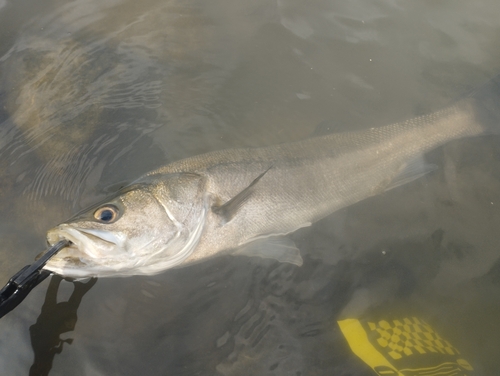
x=405, y=347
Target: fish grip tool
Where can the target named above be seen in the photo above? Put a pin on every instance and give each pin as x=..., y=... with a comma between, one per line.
x=26, y=279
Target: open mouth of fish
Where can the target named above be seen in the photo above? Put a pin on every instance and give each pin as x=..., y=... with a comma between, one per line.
x=78, y=253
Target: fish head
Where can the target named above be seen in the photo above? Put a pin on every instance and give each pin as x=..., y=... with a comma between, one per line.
x=152, y=225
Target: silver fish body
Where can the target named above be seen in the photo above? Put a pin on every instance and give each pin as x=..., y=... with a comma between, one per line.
x=245, y=200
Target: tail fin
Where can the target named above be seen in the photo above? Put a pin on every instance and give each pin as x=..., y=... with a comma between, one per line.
x=486, y=103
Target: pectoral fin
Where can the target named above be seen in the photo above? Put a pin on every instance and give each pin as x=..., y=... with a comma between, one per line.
x=413, y=170
x=276, y=247
x=228, y=210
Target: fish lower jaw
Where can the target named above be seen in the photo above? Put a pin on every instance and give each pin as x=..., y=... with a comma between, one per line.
x=71, y=272
x=69, y=253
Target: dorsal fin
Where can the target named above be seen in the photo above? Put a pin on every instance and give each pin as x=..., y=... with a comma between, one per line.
x=228, y=210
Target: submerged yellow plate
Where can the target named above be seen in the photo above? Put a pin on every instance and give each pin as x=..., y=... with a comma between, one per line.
x=407, y=347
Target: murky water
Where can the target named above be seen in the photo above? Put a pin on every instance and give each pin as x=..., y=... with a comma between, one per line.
x=95, y=93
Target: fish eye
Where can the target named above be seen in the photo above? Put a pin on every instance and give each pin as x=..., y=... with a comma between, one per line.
x=106, y=214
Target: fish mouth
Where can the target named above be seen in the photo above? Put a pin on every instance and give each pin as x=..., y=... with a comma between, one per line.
x=79, y=253
x=91, y=252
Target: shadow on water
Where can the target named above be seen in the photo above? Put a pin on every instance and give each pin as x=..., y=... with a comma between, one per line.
x=55, y=319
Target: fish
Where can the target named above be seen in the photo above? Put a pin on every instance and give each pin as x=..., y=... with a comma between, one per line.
x=245, y=201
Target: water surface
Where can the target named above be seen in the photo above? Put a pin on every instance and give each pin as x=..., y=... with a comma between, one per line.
x=94, y=94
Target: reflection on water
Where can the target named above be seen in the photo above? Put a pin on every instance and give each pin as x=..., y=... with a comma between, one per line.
x=54, y=320
x=94, y=93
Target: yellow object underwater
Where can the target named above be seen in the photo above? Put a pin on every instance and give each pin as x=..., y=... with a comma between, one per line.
x=407, y=347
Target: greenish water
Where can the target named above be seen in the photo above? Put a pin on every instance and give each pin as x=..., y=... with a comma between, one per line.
x=95, y=93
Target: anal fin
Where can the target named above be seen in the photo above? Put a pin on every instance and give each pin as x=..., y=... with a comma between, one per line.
x=414, y=169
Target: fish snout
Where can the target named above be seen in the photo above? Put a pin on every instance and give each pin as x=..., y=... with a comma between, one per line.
x=79, y=241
